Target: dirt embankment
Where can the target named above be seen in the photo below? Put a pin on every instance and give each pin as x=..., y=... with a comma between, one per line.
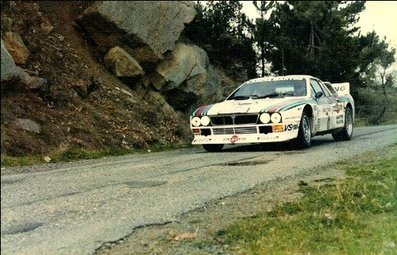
x=82, y=104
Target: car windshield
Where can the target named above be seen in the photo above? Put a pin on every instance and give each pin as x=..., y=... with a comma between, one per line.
x=270, y=89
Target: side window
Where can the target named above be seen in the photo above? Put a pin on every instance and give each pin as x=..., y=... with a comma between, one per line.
x=331, y=89
x=325, y=89
x=316, y=87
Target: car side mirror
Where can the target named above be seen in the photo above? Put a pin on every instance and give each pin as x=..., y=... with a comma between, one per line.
x=319, y=94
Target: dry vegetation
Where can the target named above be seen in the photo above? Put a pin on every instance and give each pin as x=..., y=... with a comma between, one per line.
x=82, y=106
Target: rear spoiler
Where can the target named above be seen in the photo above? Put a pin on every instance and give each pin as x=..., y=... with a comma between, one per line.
x=343, y=89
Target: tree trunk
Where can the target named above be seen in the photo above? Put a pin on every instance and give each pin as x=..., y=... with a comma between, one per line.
x=263, y=59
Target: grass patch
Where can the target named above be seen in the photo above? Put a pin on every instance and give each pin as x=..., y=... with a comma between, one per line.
x=356, y=215
x=61, y=156
x=7, y=161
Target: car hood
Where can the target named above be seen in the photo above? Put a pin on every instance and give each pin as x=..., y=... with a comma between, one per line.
x=250, y=106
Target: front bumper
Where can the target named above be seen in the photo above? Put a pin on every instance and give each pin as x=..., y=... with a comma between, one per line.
x=233, y=135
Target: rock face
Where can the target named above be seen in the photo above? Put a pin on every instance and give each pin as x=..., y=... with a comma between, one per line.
x=9, y=71
x=145, y=29
x=28, y=125
x=15, y=46
x=157, y=100
x=143, y=38
x=121, y=63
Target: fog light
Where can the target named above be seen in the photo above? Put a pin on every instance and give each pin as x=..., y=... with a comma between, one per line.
x=278, y=128
x=196, y=131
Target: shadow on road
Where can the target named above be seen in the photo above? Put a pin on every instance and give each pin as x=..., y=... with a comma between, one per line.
x=286, y=146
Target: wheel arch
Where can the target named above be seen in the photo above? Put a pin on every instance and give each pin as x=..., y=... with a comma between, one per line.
x=308, y=109
x=349, y=105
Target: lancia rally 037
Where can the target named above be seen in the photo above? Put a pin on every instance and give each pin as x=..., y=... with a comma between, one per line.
x=276, y=109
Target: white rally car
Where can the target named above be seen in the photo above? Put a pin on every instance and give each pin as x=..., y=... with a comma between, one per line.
x=275, y=109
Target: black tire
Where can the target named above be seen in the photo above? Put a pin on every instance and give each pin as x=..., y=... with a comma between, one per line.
x=213, y=147
x=346, y=132
x=304, y=138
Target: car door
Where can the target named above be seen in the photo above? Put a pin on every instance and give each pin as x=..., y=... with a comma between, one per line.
x=336, y=115
x=323, y=110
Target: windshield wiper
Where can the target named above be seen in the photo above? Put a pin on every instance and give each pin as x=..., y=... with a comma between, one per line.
x=288, y=94
x=271, y=95
x=239, y=98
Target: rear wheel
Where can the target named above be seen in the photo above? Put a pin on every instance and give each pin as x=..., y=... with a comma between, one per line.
x=346, y=132
x=304, y=138
x=213, y=147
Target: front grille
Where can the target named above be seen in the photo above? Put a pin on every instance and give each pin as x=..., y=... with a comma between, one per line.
x=234, y=120
x=223, y=120
x=245, y=119
x=234, y=130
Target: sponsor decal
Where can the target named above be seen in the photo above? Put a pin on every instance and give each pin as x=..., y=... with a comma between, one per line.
x=291, y=127
x=341, y=88
x=339, y=119
x=234, y=139
x=338, y=108
x=292, y=118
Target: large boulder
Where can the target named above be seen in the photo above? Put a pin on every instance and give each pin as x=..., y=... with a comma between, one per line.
x=9, y=71
x=198, y=90
x=185, y=78
x=121, y=63
x=15, y=46
x=183, y=63
x=145, y=29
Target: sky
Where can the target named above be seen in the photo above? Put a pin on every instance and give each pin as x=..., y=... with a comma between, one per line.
x=380, y=16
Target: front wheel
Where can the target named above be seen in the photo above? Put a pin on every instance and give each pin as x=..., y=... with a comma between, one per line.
x=213, y=147
x=304, y=138
x=346, y=132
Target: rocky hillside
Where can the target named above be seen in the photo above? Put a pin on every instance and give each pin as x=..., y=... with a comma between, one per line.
x=100, y=76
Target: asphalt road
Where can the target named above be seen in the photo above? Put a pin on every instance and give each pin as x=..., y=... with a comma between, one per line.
x=74, y=208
